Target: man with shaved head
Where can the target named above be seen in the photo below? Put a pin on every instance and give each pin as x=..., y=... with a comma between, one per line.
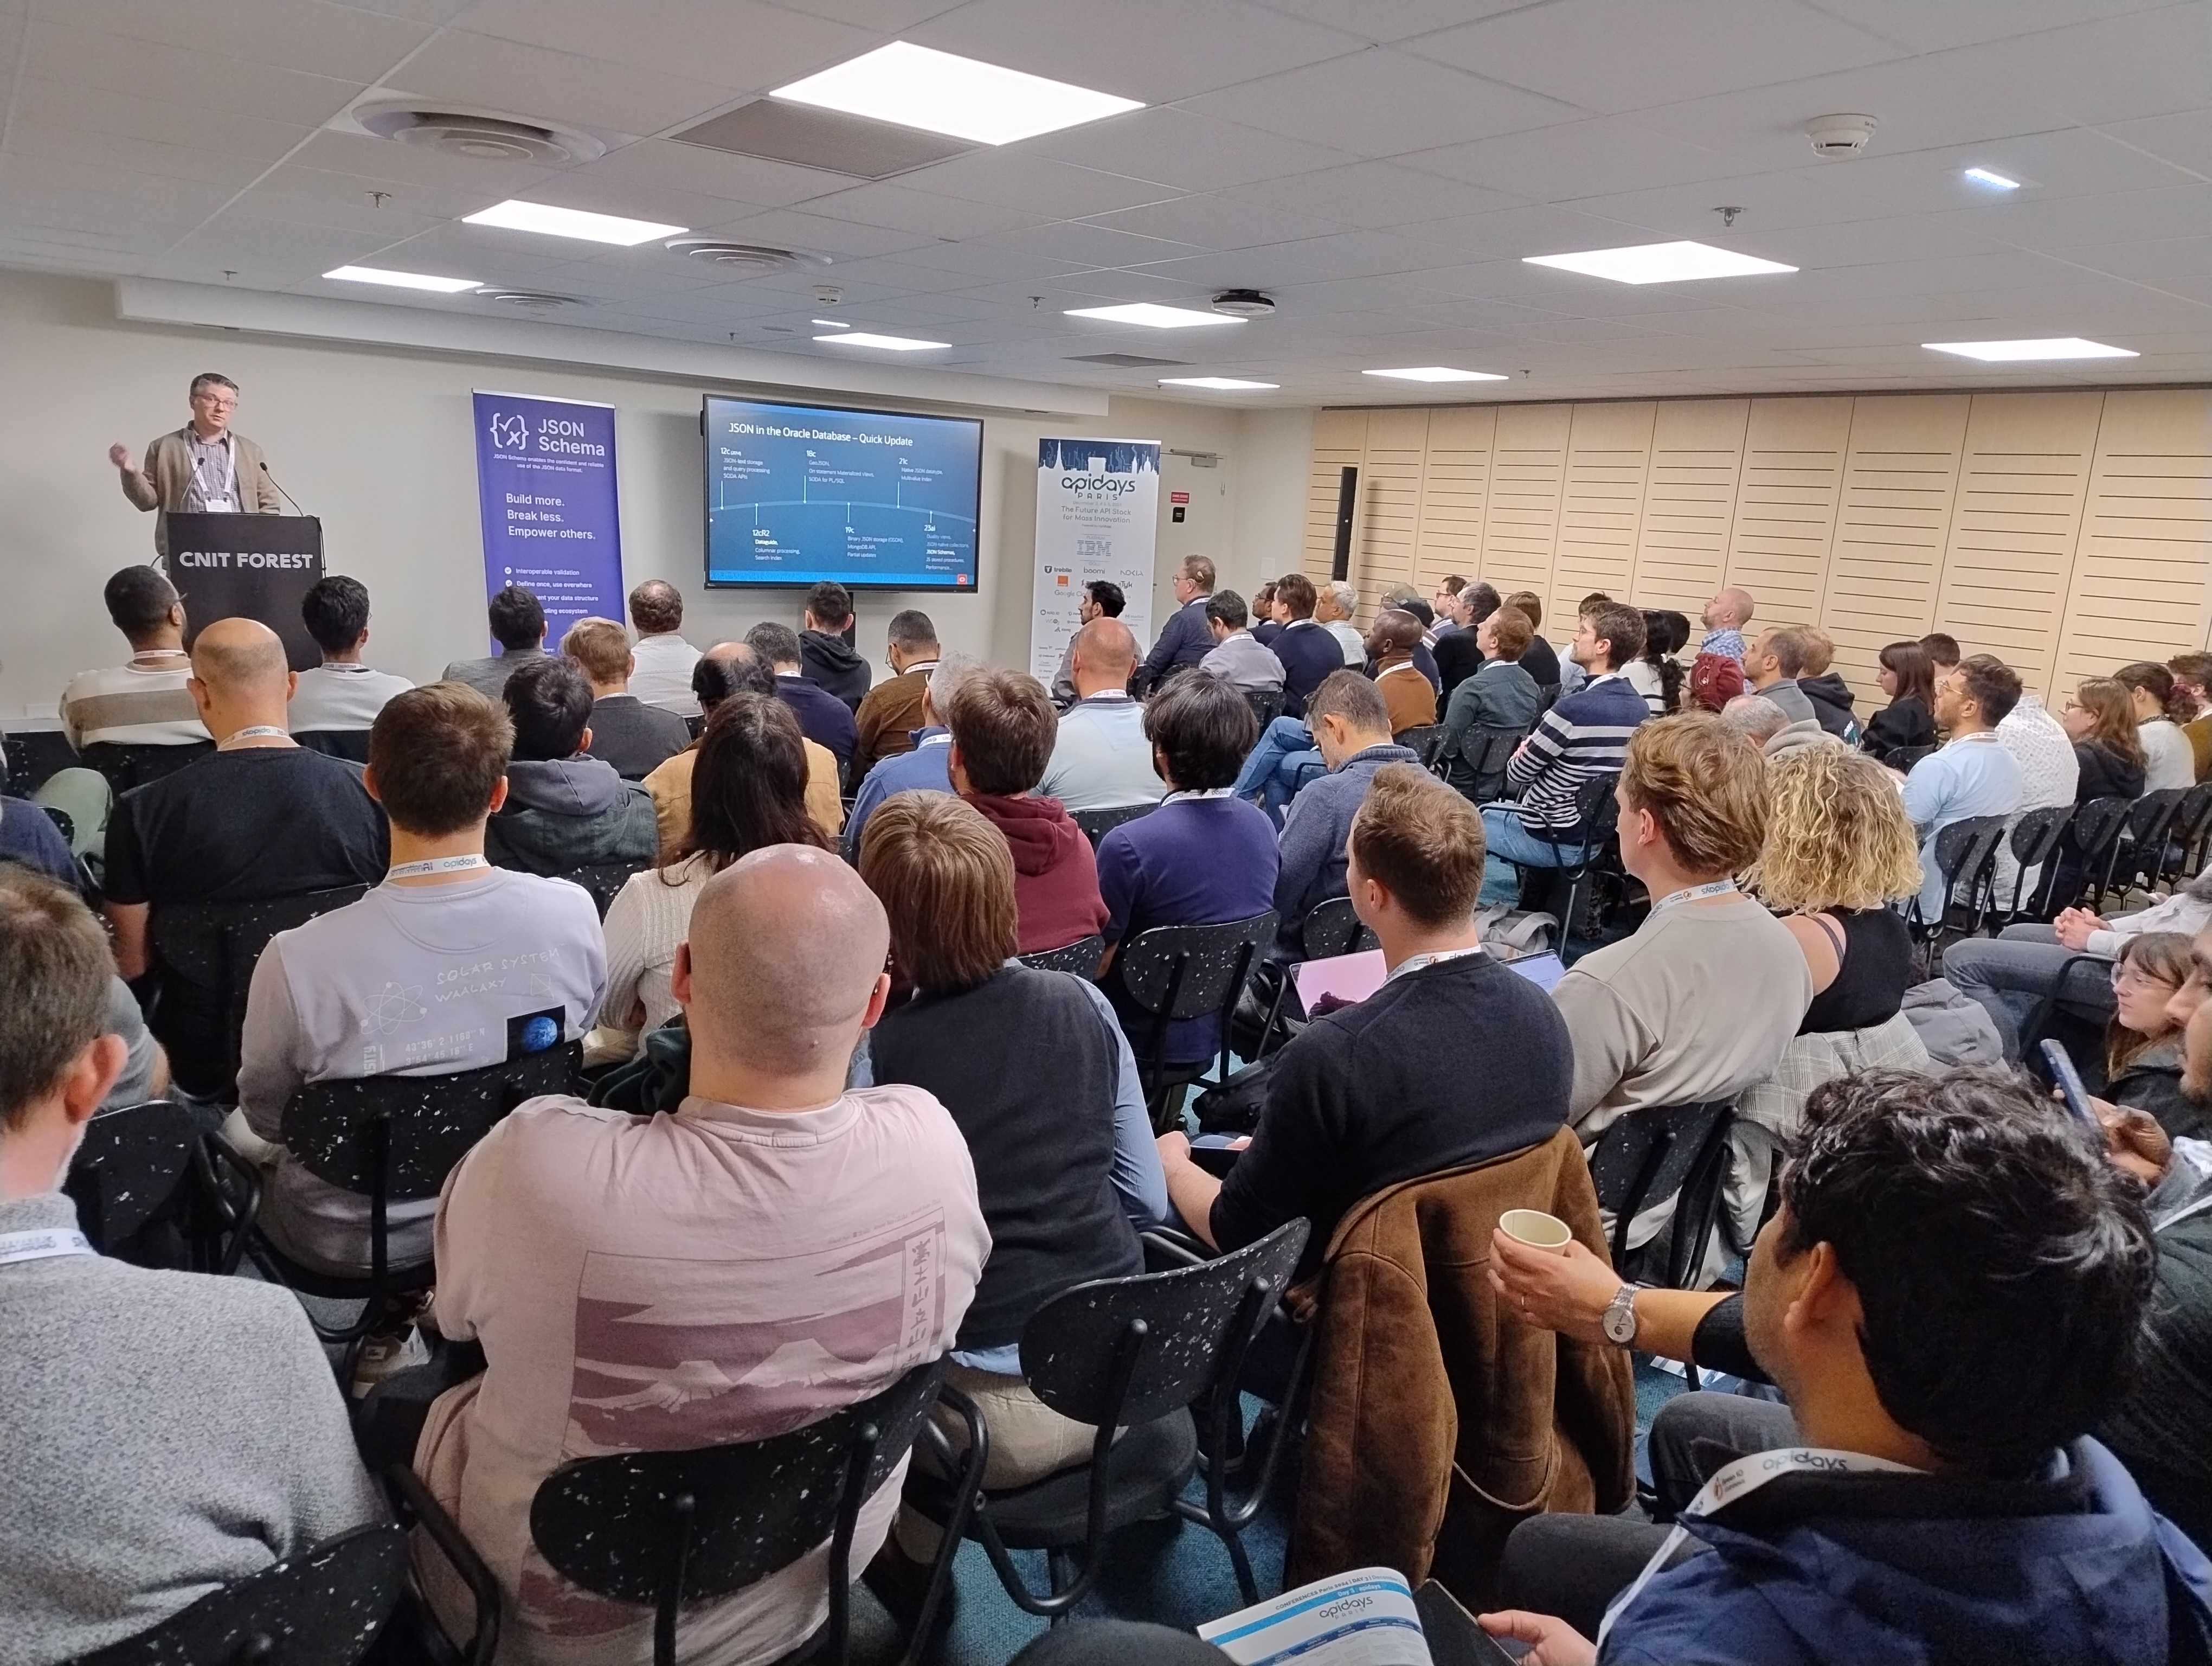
x=260, y=817
x=1100, y=756
x=776, y=1248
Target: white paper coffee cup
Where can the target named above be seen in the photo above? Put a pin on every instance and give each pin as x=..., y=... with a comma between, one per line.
x=1536, y=1229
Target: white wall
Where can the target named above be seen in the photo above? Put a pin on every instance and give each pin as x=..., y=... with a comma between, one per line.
x=376, y=441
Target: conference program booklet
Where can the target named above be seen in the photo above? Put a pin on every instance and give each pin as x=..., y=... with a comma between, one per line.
x=1368, y=1617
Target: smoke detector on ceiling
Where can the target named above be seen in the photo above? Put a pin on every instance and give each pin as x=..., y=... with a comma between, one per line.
x=482, y=135
x=743, y=259
x=1840, y=136
x=1242, y=303
x=537, y=300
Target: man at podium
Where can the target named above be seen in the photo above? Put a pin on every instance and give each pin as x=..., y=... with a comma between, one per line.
x=203, y=467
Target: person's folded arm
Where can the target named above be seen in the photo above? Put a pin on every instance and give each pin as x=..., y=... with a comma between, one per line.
x=1139, y=1180
x=1546, y=744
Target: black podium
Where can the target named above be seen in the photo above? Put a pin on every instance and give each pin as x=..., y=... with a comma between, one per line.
x=255, y=567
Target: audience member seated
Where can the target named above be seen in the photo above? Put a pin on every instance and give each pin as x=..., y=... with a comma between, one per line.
x=1942, y=651
x=1459, y=651
x=1655, y=673
x=892, y=710
x=1838, y=856
x=1831, y=697
x=924, y=769
x=518, y=625
x=1698, y=1004
x=29, y=837
x=1265, y=629
x=1204, y=857
x=1003, y=726
x=2100, y=720
x=2144, y=1058
x=1446, y=602
x=1927, y=1490
x=2192, y=686
x=2013, y=973
x=1407, y=600
x=1043, y=1087
x=1183, y=640
x=723, y=670
x=1500, y=695
x=1582, y=736
x=447, y=966
x=828, y=660
x=1310, y=651
x=748, y=792
x=565, y=808
x=2160, y=710
x=1365, y=1096
x=1766, y=723
x=1573, y=674
x=1541, y=660
x=168, y=1433
x=1352, y=732
x=773, y=1249
x=2049, y=772
x=1772, y=666
x=635, y=738
x=1973, y=774
x=143, y=702
x=1102, y=599
x=1909, y=719
x=342, y=693
x=1100, y=758
x=661, y=660
x=1237, y=657
x=822, y=717
x=1412, y=701
x=260, y=817
x=1335, y=609
x=1724, y=619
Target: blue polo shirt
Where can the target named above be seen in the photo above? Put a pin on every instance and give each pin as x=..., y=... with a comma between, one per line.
x=926, y=768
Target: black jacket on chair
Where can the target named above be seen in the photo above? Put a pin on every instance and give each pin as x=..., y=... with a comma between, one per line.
x=1904, y=723
x=2105, y=773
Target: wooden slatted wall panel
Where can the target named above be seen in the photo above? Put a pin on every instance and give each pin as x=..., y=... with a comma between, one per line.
x=1608, y=457
x=1339, y=438
x=1785, y=507
x=2016, y=525
x=2138, y=589
x=1900, y=480
x=1520, y=533
x=1454, y=493
x=1389, y=504
x=1689, y=504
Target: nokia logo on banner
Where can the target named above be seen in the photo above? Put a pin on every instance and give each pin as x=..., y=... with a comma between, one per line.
x=1112, y=485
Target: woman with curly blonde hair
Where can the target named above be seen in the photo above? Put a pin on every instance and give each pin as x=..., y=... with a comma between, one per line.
x=1838, y=853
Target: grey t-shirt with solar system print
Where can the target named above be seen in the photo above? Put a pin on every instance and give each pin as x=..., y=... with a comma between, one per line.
x=409, y=981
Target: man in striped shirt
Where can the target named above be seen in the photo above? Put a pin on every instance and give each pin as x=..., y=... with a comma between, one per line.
x=1584, y=736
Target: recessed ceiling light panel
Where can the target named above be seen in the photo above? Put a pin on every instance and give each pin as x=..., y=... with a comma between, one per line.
x=1218, y=384
x=1660, y=262
x=1983, y=176
x=888, y=344
x=912, y=86
x=1152, y=315
x=549, y=221
x=443, y=286
x=829, y=323
x=2017, y=352
x=1437, y=373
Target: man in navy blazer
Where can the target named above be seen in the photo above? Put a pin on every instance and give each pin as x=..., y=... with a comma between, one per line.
x=1185, y=639
x=1309, y=652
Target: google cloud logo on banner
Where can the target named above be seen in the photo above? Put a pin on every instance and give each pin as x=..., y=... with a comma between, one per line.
x=508, y=433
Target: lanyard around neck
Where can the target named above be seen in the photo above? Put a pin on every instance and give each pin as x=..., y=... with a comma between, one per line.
x=1694, y=894
x=435, y=864
x=253, y=731
x=43, y=1244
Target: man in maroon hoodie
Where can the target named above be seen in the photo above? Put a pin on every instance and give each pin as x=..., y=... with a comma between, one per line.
x=1003, y=725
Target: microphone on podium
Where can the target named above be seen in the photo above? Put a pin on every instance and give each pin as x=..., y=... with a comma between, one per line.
x=288, y=496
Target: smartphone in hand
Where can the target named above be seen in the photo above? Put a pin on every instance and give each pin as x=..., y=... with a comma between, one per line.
x=2069, y=1083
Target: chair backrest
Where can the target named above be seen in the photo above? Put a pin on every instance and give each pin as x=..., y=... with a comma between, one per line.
x=215, y=946
x=134, y=1159
x=2034, y=842
x=1967, y=854
x=2151, y=816
x=413, y=1129
x=1422, y=740
x=710, y=1520
x=604, y=880
x=1653, y=1154
x=1267, y=705
x=696, y=725
x=1187, y=971
x=64, y=823
x=1097, y=823
x=1597, y=817
x=1081, y=958
x=2097, y=826
x=351, y=745
x=1332, y=929
x=1116, y=1352
x=1484, y=752
x=130, y=764
x=2194, y=818
x=1902, y=758
x=321, y=1608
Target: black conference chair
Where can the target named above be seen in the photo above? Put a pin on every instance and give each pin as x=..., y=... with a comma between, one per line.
x=1136, y=1354
x=213, y=947
x=1477, y=766
x=1267, y=705
x=2185, y=839
x=64, y=823
x=661, y=1530
x=34, y=754
x=135, y=1164
x=351, y=745
x=2140, y=855
x=1597, y=817
x=129, y=764
x=1648, y=1155
x=1966, y=857
x=1902, y=758
x=1423, y=740
x=1080, y=957
x=1097, y=823
x=324, y=1607
x=1334, y=927
x=605, y=881
x=1172, y=973
x=2035, y=839
x=2088, y=852
x=394, y=1139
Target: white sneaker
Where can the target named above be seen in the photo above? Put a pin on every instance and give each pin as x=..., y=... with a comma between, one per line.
x=384, y=1356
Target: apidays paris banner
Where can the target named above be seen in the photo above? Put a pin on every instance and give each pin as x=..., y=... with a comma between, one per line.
x=545, y=490
x=1096, y=513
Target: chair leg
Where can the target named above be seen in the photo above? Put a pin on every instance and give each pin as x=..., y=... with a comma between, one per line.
x=1246, y=1586
x=1060, y=1570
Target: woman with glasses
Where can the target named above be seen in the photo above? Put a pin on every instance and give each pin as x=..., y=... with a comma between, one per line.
x=2142, y=1043
x=2100, y=719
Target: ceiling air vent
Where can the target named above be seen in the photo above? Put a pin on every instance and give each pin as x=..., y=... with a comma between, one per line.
x=1124, y=360
x=479, y=135
x=743, y=259
x=827, y=139
x=536, y=301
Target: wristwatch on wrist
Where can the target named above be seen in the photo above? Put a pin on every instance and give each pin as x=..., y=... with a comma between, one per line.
x=1619, y=1321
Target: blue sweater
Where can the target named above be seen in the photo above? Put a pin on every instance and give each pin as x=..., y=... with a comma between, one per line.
x=926, y=768
x=1315, y=831
x=1583, y=736
x=1308, y=654
x=1183, y=642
